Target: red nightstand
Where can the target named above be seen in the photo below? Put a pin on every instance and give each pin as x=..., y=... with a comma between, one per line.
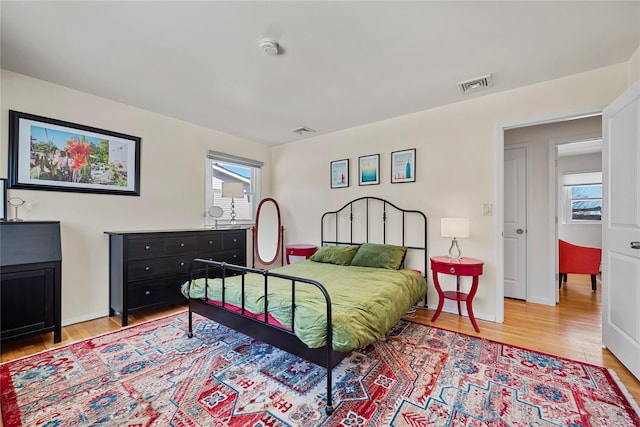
x=461, y=267
x=300, y=250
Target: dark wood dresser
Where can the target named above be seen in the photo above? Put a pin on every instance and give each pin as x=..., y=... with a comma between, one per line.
x=30, y=279
x=147, y=268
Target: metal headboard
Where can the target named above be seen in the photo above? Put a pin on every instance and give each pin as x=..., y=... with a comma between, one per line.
x=375, y=220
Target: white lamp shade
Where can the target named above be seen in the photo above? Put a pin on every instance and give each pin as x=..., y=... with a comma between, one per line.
x=232, y=189
x=454, y=227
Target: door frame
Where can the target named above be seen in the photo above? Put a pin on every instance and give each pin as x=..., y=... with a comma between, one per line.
x=554, y=185
x=500, y=129
x=528, y=191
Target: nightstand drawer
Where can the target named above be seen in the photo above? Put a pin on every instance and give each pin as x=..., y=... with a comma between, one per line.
x=457, y=268
x=145, y=248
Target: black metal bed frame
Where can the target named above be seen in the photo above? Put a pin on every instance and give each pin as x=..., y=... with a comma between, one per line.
x=348, y=209
x=285, y=339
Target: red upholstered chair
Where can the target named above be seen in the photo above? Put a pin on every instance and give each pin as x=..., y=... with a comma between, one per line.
x=578, y=260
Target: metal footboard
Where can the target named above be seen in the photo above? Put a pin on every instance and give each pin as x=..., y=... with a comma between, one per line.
x=260, y=328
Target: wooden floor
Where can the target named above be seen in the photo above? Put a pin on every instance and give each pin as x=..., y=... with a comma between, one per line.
x=571, y=329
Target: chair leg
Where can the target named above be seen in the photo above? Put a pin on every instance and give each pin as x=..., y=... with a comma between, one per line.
x=593, y=283
x=561, y=275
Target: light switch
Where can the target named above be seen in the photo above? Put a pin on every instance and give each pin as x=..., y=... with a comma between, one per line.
x=487, y=209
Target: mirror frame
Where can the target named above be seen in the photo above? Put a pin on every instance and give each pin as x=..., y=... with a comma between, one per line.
x=280, y=231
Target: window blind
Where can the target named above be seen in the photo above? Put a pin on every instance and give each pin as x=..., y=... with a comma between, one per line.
x=230, y=158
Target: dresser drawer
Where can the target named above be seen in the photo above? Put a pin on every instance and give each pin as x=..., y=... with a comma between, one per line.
x=231, y=257
x=158, y=267
x=153, y=292
x=145, y=248
x=148, y=268
x=209, y=243
x=181, y=245
x=234, y=240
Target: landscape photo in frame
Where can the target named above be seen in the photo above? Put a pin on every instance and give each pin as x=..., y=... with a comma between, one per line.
x=50, y=154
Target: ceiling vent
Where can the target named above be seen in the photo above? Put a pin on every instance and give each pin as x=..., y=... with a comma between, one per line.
x=302, y=130
x=474, y=85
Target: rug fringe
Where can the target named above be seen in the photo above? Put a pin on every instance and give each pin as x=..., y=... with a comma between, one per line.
x=624, y=391
x=93, y=337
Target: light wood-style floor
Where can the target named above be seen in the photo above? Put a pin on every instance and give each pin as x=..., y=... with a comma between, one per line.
x=571, y=329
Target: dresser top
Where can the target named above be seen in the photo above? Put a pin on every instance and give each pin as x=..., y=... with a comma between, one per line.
x=27, y=222
x=186, y=230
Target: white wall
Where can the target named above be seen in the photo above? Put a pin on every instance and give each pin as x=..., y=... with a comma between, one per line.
x=578, y=234
x=172, y=183
x=456, y=171
x=633, y=73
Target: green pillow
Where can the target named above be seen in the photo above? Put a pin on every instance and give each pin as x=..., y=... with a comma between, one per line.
x=339, y=255
x=380, y=256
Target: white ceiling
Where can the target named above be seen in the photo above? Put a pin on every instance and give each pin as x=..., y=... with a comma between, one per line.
x=344, y=63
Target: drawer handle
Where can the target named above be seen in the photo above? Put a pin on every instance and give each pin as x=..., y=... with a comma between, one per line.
x=147, y=247
x=181, y=263
x=235, y=240
x=452, y=270
x=147, y=268
x=147, y=293
x=210, y=242
x=182, y=245
x=235, y=256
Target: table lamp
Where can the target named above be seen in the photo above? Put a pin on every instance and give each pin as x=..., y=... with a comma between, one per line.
x=233, y=190
x=456, y=228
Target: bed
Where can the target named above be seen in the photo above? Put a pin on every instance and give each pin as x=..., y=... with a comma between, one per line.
x=368, y=272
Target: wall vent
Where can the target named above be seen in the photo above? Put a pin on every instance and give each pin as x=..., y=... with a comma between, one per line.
x=474, y=85
x=302, y=130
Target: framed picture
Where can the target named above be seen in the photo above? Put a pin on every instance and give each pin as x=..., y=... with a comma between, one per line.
x=403, y=166
x=340, y=173
x=49, y=154
x=3, y=199
x=369, y=169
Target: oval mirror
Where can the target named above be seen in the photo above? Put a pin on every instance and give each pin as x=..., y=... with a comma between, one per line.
x=267, y=236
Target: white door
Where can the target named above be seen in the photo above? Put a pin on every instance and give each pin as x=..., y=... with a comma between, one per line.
x=621, y=228
x=515, y=223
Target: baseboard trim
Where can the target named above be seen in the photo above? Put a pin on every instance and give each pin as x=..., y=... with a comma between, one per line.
x=86, y=317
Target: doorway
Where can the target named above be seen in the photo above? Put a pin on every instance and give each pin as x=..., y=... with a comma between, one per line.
x=578, y=175
x=541, y=246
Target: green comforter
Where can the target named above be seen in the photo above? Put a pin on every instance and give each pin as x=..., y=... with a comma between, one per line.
x=366, y=301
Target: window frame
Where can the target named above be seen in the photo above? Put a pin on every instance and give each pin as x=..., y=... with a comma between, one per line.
x=580, y=179
x=213, y=195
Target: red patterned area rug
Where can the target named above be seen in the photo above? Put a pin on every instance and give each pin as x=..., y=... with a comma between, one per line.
x=152, y=374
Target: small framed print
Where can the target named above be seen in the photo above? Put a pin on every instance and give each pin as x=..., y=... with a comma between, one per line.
x=403, y=166
x=369, y=169
x=340, y=173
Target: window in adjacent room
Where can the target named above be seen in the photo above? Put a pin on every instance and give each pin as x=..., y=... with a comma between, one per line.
x=228, y=168
x=583, y=197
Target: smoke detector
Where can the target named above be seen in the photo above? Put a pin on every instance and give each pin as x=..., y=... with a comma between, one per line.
x=476, y=84
x=269, y=47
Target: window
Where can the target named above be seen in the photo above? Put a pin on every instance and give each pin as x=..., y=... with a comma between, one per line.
x=583, y=195
x=227, y=168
